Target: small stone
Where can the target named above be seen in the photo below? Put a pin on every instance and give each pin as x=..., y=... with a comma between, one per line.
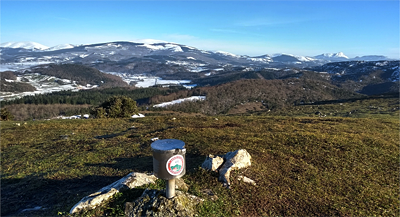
x=246, y=180
x=64, y=137
x=154, y=139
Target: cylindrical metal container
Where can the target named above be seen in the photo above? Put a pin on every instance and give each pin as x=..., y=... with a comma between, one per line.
x=169, y=158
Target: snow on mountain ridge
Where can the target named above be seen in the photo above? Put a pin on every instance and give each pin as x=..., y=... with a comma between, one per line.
x=24, y=44
x=168, y=46
x=332, y=55
x=226, y=53
x=300, y=58
x=60, y=47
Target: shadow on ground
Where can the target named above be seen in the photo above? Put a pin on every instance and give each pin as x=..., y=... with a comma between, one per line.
x=47, y=197
x=145, y=164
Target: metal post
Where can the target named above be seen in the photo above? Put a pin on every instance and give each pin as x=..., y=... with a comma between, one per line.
x=170, y=188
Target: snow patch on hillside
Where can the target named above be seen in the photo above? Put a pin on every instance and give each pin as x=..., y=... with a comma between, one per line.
x=395, y=75
x=260, y=59
x=140, y=80
x=192, y=98
x=44, y=84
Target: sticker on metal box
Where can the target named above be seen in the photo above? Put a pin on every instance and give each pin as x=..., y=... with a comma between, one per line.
x=175, y=165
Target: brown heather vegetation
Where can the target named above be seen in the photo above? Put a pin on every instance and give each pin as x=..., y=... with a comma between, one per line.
x=23, y=112
x=8, y=75
x=274, y=94
x=16, y=87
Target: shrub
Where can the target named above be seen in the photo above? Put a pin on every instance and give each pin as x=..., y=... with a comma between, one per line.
x=116, y=107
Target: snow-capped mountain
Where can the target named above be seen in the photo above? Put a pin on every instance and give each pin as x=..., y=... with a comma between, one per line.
x=25, y=45
x=332, y=56
x=149, y=56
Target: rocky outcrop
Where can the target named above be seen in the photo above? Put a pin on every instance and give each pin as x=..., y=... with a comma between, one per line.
x=130, y=181
x=154, y=203
x=231, y=161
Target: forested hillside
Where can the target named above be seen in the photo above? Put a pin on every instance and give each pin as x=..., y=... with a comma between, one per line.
x=93, y=96
x=43, y=106
x=267, y=73
x=273, y=94
x=83, y=75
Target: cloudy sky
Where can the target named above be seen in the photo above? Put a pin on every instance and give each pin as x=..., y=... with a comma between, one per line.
x=253, y=28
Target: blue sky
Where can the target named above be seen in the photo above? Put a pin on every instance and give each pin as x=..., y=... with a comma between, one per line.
x=241, y=27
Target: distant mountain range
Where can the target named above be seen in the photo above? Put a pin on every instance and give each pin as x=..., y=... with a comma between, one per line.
x=124, y=55
x=142, y=63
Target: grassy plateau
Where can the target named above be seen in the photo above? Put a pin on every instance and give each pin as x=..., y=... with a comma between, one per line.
x=338, y=165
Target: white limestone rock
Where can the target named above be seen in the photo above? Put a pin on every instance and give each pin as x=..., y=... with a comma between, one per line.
x=132, y=180
x=233, y=161
x=212, y=163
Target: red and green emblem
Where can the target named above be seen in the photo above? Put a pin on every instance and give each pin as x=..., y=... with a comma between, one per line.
x=175, y=165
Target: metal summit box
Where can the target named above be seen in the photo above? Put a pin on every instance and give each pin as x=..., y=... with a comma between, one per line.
x=169, y=158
